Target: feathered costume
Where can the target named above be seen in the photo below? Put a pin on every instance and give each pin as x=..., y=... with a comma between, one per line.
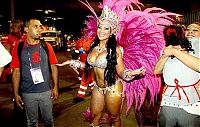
x=140, y=34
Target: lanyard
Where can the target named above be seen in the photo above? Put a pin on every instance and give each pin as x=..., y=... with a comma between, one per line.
x=29, y=56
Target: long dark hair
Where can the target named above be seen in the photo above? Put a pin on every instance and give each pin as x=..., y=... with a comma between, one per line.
x=110, y=71
x=175, y=35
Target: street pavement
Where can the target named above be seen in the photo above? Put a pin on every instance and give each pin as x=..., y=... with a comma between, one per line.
x=66, y=113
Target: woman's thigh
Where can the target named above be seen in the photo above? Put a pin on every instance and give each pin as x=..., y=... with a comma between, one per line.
x=97, y=102
x=113, y=99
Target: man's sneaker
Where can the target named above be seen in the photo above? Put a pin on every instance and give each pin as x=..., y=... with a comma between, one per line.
x=78, y=99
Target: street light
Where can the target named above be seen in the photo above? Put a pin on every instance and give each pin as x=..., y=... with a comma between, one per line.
x=46, y=11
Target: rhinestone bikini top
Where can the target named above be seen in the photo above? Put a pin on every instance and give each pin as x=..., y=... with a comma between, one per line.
x=100, y=62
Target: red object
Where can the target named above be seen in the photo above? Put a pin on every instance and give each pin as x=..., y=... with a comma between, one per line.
x=15, y=61
x=4, y=39
x=84, y=84
x=10, y=41
x=85, y=44
x=170, y=31
x=180, y=87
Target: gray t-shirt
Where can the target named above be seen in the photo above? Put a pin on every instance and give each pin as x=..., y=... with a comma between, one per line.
x=35, y=56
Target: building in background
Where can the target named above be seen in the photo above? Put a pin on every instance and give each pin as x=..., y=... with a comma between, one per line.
x=189, y=18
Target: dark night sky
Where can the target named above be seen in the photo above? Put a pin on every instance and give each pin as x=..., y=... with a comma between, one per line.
x=74, y=13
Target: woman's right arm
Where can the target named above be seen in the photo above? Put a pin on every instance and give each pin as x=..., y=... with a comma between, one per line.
x=64, y=63
x=73, y=63
x=160, y=64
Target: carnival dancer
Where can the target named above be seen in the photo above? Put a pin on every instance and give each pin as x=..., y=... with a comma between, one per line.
x=180, y=65
x=127, y=45
x=105, y=59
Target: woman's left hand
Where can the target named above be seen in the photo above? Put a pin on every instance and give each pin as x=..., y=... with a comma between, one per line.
x=141, y=71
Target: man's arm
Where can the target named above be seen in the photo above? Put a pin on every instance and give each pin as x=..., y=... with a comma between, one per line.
x=55, y=81
x=16, y=80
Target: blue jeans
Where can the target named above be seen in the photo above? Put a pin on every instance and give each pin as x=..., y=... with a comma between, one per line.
x=33, y=101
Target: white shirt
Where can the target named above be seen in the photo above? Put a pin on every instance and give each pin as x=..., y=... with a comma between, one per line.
x=5, y=56
x=175, y=72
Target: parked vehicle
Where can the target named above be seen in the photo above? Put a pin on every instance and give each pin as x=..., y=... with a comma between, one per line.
x=53, y=37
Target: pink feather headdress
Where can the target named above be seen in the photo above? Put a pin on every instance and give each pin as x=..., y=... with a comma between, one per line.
x=110, y=16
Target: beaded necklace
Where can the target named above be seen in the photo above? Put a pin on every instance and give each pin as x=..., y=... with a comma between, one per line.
x=100, y=50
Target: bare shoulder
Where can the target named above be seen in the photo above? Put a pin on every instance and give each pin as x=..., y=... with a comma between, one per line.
x=119, y=51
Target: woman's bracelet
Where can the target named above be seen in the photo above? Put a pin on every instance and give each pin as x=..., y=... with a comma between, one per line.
x=76, y=64
x=126, y=75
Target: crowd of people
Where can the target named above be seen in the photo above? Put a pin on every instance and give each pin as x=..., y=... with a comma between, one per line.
x=104, y=64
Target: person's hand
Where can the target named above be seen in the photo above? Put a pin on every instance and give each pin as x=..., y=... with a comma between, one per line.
x=178, y=47
x=167, y=51
x=64, y=63
x=18, y=101
x=141, y=71
x=54, y=94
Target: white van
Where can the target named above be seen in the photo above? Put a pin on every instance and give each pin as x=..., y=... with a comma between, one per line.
x=53, y=37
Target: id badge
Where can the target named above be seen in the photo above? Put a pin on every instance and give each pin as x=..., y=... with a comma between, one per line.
x=37, y=76
x=81, y=51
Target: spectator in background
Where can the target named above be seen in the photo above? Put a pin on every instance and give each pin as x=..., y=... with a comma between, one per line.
x=9, y=41
x=72, y=48
x=83, y=45
x=32, y=76
x=179, y=64
x=16, y=34
x=192, y=33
